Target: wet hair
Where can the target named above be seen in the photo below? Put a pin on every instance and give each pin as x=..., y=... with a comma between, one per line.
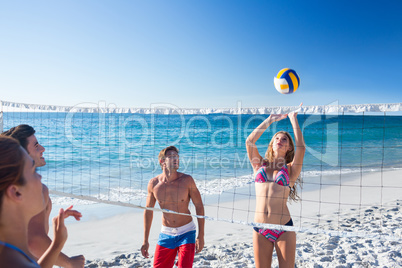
x=270, y=156
x=11, y=164
x=20, y=133
x=162, y=153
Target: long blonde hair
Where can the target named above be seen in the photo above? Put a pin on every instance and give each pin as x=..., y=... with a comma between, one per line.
x=270, y=156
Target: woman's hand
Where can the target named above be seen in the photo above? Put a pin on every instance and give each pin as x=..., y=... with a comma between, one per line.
x=69, y=212
x=276, y=117
x=293, y=115
x=59, y=229
x=48, y=259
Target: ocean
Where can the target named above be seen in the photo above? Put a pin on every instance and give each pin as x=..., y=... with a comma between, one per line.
x=112, y=156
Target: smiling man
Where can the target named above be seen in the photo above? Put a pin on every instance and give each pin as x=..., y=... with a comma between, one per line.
x=38, y=239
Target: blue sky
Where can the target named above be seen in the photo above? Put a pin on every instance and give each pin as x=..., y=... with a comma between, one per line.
x=199, y=53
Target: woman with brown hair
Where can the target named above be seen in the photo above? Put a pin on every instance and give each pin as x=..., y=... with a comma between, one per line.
x=21, y=198
x=276, y=177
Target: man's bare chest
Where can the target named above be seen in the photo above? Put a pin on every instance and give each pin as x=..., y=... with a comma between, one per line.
x=174, y=193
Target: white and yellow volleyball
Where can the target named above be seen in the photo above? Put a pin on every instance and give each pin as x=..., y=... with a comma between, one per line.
x=287, y=81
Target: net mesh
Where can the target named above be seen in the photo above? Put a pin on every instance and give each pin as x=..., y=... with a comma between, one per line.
x=107, y=154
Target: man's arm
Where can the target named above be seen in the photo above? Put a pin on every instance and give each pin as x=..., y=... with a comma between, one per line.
x=39, y=241
x=48, y=259
x=148, y=216
x=199, y=210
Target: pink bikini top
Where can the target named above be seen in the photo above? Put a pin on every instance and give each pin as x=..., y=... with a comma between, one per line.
x=281, y=178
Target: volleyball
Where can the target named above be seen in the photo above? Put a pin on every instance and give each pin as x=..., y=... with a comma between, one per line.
x=287, y=81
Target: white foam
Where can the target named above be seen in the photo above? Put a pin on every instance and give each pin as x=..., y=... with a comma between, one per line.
x=95, y=108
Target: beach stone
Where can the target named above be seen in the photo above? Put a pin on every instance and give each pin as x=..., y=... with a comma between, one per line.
x=383, y=249
x=320, y=253
x=122, y=256
x=204, y=266
x=394, y=254
x=104, y=263
x=341, y=258
x=340, y=251
x=334, y=239
x=326, y=259
x=307, y=249
x=360, y=245
x=209, y=257
x=370, y=260
x=330, y=247
x=228, y=250
x=202, y=262
x=237, y=264
x=398, y=232
x=135, y=265
x=249, y=256
x=352, y=258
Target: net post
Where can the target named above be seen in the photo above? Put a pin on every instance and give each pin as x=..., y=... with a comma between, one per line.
x=1, y=116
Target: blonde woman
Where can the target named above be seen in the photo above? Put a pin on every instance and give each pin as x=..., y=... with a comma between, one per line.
x=276, y=176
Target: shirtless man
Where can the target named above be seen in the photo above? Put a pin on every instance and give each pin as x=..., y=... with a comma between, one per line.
x=38, y=239
x=173, y=191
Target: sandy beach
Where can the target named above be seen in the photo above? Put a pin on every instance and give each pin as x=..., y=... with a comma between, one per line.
x=115, y=241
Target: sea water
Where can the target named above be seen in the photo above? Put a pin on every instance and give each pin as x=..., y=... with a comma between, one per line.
x=112, y=156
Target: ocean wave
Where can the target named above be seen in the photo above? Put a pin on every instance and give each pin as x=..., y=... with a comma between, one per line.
x=207, y=188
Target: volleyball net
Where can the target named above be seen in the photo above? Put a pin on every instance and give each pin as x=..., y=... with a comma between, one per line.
x=102, y=153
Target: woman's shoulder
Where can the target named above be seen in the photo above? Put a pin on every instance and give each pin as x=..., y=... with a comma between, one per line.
x=10, y=258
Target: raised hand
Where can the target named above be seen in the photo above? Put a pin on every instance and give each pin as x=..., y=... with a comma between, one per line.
x=59, y=229
x=293, y=115
x=276, y=117
x=69, y=212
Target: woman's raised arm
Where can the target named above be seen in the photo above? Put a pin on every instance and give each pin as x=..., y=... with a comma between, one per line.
x=252, y=151
x=297, y=163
